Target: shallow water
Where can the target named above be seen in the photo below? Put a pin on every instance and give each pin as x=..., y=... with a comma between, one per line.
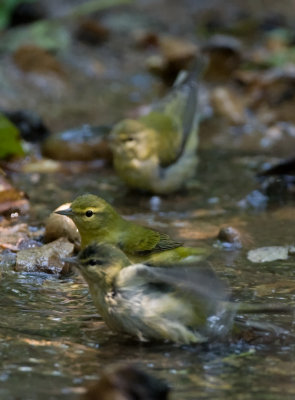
x=52, y=342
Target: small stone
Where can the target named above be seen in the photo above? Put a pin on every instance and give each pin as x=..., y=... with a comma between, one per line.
x=230, y=235
x=58, y=226
x=47, y=258
x=268, y=254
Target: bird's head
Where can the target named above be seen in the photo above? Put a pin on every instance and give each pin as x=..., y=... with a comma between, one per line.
x=90, y=213
x=101, y=260
x=132, y=139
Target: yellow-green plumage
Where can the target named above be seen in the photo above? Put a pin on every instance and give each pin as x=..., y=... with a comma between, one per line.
x=147, y=303
x=97, y=221
x=184, y=305
x=157, y=152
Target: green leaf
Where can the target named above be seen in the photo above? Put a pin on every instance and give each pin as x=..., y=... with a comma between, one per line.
x=10, y=144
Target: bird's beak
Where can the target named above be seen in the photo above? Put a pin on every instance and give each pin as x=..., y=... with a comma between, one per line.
x=68, y=212
x=70, y=260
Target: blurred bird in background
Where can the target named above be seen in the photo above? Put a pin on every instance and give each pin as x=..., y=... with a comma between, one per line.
x=157, y=152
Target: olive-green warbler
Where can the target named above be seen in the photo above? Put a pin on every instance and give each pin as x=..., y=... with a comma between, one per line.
x=98, y=221
x=186, y=305
x=157, y=152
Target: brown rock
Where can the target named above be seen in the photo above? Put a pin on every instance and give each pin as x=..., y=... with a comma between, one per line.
x=47, y=258
x=58, y=226
x=230, y=235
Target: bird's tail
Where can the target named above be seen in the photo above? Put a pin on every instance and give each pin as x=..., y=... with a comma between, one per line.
x=182, y=104
x=195, y=73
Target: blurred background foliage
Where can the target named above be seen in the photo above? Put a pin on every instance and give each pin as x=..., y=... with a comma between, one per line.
x=7, y=8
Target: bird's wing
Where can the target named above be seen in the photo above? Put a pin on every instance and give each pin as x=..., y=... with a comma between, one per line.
x=134, y=275
x=181, y=104
x=156, y=242
x=194, y=298
x=166, y=243
x=196, y=283
x=198, y=280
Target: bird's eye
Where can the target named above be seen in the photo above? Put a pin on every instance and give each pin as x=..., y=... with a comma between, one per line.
x=89, y=213
x=95, y=262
